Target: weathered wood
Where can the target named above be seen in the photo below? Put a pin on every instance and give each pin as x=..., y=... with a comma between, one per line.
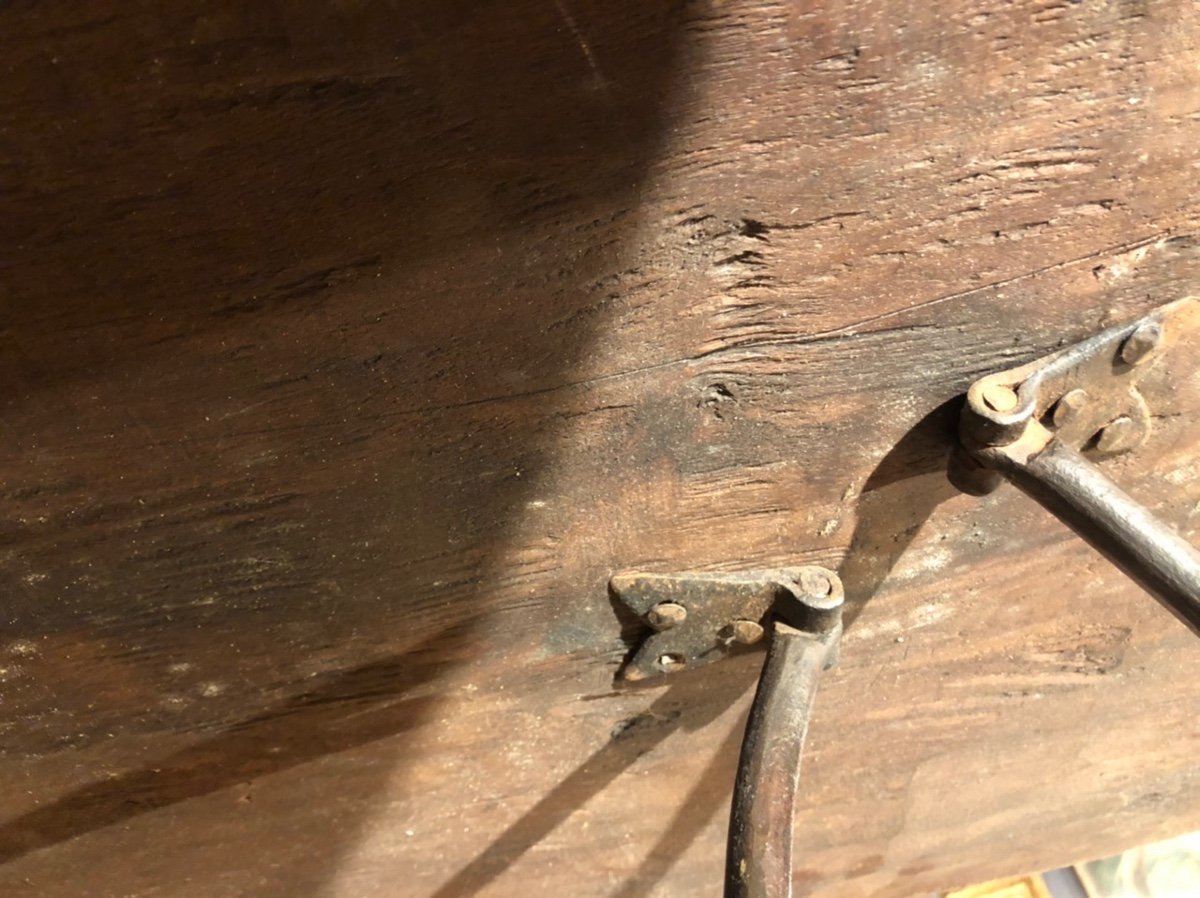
x=350, y=348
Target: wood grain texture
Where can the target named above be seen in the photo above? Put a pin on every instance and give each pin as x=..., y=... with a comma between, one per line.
x=350, y=348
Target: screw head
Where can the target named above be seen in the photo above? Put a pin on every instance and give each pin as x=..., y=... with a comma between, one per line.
x=1069, y=407
x=666, y=615
x=1120, y=435
x=1140, y=345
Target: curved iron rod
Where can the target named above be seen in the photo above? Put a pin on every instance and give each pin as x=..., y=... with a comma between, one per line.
x=758, y=862
x=1146, y=548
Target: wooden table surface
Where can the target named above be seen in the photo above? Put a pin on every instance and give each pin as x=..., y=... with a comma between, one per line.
x=349, y=348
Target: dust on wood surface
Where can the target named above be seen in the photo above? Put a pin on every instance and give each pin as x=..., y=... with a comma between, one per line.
x=349, y=349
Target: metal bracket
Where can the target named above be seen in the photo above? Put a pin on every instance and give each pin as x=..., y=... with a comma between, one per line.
x=1036, y=425
x=1085, y=396
x=700, y=618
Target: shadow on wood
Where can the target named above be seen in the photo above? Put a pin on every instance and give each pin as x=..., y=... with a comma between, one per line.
x=692, y=701
x=269, y=276
x=897, y=499
x=352, y=708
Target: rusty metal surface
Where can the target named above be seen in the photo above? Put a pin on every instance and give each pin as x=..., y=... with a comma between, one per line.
x=698, y=618
x=758, y=861
x=1077, y=393
x=1035, y=424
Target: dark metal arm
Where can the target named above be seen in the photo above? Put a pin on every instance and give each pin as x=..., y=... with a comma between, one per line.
x=758, y=862
x=1148, y=550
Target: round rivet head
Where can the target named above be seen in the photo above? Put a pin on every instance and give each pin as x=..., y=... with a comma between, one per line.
x=815, y=584
x=999, y=397
x=1140, y=345
x=1069, y=407
x=1120, y=435
x=666, y=615
x=745, y=632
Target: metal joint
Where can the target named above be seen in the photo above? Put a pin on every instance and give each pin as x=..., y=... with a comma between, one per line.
x=1038, y=425
x=700, y=618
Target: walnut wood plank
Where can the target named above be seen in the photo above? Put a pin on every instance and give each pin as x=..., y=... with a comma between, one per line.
x=350, y=348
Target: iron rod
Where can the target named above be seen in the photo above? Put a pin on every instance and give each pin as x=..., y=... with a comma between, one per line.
x=1114, y=523
x=758, y=862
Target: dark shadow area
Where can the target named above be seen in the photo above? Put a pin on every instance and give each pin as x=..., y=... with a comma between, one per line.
x=288, y=292
x=897, y=499
x=693, y=701
x=708, y=797
x=347, y=710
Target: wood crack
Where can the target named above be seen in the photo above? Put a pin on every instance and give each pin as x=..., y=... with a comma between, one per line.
x=848, y=330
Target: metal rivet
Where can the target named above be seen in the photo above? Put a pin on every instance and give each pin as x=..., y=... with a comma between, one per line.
x=999, y=397
x=746, y=632
x=1141, y=344
x=1118, y=436
x=670, y=661
x=816, y=584
x=1069, y=407
x=666, y=615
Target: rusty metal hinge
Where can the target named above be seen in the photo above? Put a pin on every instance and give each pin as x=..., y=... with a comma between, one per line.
x=1037, y=426
x=700, y=618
